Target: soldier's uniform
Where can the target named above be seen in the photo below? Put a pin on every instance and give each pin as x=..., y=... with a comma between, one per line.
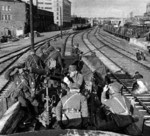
x=21, y=88
x=36, y=67
x=116, y=101
x=54, y=60
x=34, y=63
x=76, y=51
x=75, y=79
x=138, y=55
x=72, y=110
x=139, y=86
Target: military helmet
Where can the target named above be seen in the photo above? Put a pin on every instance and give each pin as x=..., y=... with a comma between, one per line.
x=115, y=87
x=72, y=68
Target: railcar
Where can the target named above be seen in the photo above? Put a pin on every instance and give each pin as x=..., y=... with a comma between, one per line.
x=127, y=32
x=80, y=26
x=11, y=121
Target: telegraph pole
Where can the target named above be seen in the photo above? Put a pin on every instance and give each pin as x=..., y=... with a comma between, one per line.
x=31, y=25
x=60, y=23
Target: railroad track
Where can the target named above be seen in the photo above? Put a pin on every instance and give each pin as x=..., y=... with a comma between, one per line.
x=142, y=102
x=125, y=54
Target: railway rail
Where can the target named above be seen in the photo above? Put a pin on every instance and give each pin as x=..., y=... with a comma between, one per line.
x=142, y=102
x=119, y=50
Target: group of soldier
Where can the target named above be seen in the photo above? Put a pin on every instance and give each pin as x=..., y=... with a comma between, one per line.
x=72, y=109
x=28, y=78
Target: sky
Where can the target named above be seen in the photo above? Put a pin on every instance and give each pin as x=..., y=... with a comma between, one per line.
x=108, y=8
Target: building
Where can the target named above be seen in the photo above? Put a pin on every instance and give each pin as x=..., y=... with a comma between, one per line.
x=60, y=8
x=14, y=18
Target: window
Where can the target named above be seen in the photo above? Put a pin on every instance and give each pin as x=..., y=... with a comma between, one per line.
x=6, y=8
x=5, y=17
x=40, y=2
x=9, y=8
x=48, y=3
x=48, y=8
x=2, y=17
x=3, y=7
x=57, y=18
x=9, y=17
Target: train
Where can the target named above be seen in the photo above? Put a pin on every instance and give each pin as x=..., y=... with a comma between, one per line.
x=127, y=32
x=80, y=26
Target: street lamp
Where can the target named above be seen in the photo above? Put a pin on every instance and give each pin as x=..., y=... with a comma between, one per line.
x=31, y=25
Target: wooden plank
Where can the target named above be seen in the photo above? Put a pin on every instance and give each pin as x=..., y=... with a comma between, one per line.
x=69, y=133
x=10, y=119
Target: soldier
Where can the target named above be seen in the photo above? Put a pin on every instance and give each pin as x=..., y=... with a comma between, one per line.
x=22, y=89
x=139, y=86
x=54, y=60
x=138, y=55
x=75, y=79
x=36, y=67
x=34, y=63
x=142, y=56
x=116, y=101
x=72, y=110
x=76, y=51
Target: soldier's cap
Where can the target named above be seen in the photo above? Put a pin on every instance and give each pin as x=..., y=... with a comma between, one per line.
x=72, y=68
x=76, y=45
x=116, y=87
x=137, y=75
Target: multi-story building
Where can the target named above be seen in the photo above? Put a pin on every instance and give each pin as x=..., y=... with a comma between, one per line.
x=60, y=8
x=45, y=5
x=14, y=18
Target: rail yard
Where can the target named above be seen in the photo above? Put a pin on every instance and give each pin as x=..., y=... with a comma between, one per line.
x=62, y=74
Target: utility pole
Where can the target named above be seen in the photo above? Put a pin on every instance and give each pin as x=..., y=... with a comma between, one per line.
x=60, y=23
x=31, y=25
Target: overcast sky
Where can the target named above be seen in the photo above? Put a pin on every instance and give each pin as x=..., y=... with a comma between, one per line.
x=108, y=8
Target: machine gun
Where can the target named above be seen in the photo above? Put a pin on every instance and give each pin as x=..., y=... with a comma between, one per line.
x=47, y=105
x=46, y=117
